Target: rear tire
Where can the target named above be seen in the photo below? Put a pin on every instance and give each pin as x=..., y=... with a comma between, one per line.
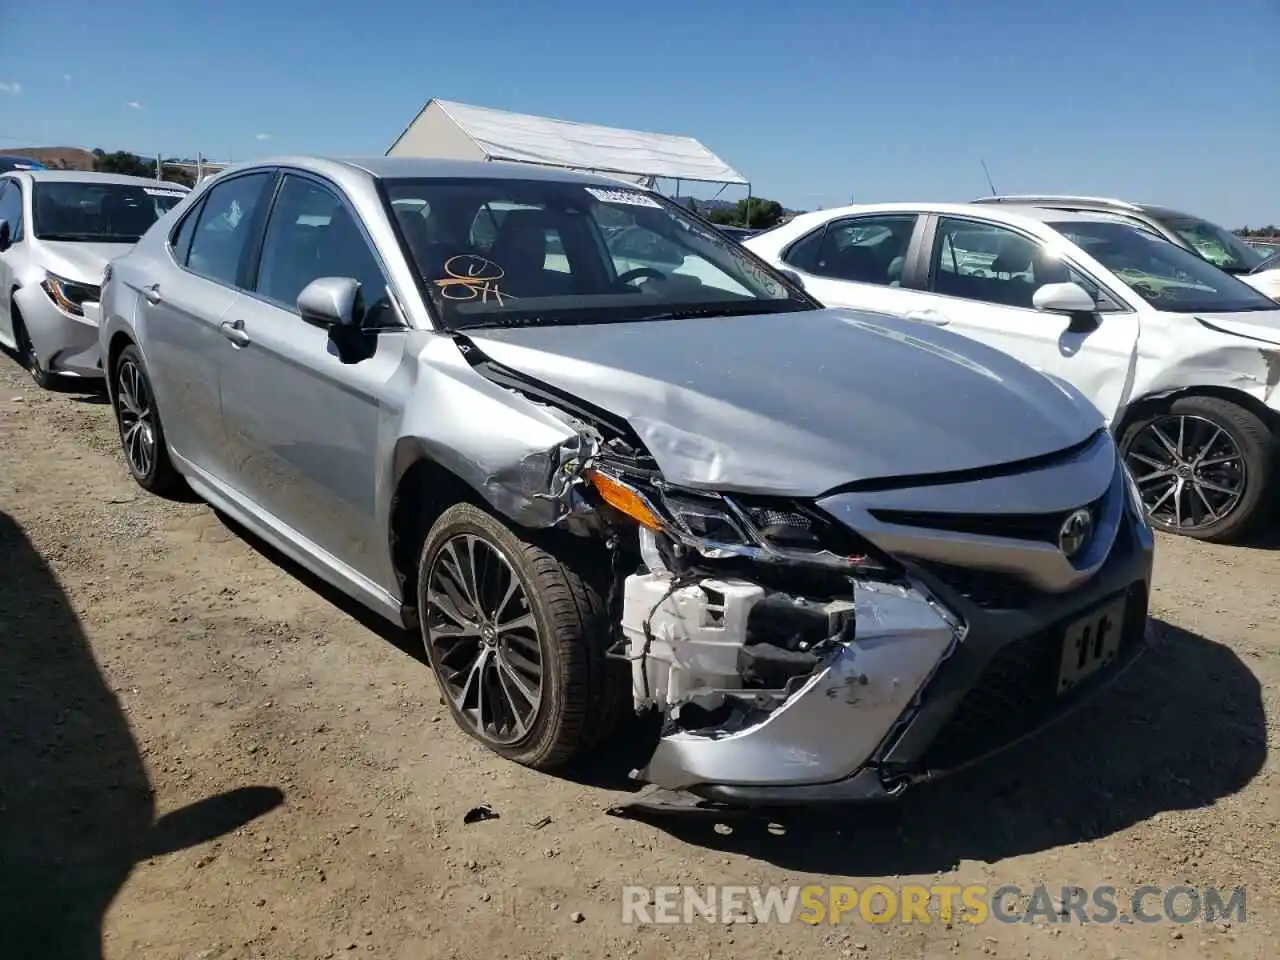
x=27, y=353
x=141, y=433
x=556, y=610
x=1226, y=464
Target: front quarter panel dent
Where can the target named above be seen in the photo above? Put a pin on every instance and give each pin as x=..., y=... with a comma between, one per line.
x=1190, y=356
x=518, y=456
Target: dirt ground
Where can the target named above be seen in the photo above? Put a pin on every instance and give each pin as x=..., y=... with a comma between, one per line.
x=203, y=754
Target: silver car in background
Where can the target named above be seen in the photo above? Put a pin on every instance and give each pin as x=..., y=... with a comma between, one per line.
x=58, y=230
x=837, y=551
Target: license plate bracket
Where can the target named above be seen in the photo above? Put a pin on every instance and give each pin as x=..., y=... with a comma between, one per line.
x=1091, y=643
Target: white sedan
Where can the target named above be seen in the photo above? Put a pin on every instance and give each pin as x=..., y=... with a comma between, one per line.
x=1266, y=276
x=1181, y=358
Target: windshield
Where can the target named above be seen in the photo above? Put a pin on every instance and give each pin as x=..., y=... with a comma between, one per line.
x=1163, y=274
x=499, y=252
x=1220, y=247
x=98, y=212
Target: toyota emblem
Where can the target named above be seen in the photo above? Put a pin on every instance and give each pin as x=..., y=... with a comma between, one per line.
x=1075, y=533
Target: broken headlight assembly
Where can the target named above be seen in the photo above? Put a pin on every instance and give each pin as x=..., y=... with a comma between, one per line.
x=717, y=527
x=68, y=295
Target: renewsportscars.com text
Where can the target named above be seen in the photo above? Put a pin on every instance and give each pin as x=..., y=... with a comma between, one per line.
x=916, y=903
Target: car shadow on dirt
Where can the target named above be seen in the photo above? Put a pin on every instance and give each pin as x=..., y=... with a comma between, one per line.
x=1183, y=729
x=77, y=811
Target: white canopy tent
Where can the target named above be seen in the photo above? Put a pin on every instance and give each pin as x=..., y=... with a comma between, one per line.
x=458, y=131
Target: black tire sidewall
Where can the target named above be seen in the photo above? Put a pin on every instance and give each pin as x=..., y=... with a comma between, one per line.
x=27, y=350
x=1252, y=438
x=467, y=519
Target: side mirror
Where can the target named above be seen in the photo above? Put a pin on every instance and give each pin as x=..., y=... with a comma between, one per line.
x=330, y=302
x=1063, y=298
x=794, y=277
x=1071, y=299
x=5, y=235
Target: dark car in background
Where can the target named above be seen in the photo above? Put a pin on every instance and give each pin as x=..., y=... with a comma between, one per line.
x=8, y=163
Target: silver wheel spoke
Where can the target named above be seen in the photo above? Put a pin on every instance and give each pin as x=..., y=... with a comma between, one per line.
x=1219, y=461
x=1165, y=442
x=1215, y=487
x=525, y=622
x=1213, y=514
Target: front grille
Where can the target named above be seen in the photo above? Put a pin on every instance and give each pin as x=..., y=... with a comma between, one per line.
x=1041, y=527
x=988, y=589
x=1017, y=693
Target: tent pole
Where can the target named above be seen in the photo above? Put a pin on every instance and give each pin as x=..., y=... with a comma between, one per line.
x=677, y=188
x=747, y=216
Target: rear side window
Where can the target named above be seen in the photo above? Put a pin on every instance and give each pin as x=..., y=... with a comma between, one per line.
x=181, y=239
x=803, y=254
x=225, y=227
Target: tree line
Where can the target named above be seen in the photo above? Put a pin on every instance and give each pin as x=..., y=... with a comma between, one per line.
x=130, y=164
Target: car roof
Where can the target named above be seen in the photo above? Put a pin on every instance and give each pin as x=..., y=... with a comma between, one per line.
x=86, y=176
x=1015, y=215
x=394, y=168
x=1153, y=210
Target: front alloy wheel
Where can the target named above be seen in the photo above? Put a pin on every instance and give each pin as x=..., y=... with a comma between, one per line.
x=141, y=433
x=1202, y=467
x=484, y=639
x=516, y=634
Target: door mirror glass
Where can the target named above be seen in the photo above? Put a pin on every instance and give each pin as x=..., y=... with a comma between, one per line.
x=1063, y=298
x=330, y=302
x=5, y=235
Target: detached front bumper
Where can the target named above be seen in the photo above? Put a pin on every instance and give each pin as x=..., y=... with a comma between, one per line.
x=938, y=678
x=66, y=345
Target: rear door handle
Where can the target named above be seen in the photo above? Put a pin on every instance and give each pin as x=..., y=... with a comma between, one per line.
x=233, y=330
x=152, y=293
x=929, y=316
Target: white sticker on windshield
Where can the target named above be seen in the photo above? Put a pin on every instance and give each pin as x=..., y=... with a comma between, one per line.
x=152, y=191
x=629, y=197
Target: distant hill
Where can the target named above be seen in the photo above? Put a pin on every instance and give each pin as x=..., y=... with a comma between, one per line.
x=59, y=158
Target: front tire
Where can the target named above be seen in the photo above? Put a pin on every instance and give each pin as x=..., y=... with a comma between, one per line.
x=141, y=433
x=516, y=637
x=1204, y=467
x=27, y=352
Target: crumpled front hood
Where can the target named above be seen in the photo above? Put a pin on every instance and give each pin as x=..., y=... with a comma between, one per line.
x=81, y=262
x=798, y=403
x=1257, y=324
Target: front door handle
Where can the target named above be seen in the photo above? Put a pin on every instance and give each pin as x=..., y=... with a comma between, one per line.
x=929, y=316
x=152, y=293
x=233, y=330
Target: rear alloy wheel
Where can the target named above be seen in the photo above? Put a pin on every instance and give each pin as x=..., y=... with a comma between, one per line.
x=515, y=637
x=1203, y=467
x=141, y=435
x=27, y=352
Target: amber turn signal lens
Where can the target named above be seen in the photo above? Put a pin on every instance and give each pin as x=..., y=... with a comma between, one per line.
x=623, y=499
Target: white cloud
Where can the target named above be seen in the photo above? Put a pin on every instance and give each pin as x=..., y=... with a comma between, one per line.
x=262, y=136
x=134, y=104
x=13, y=87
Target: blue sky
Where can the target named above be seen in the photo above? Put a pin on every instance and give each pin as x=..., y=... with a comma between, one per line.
x=816, y=101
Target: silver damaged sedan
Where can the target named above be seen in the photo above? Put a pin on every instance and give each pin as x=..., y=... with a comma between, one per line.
x=839, y=552
x=58, y=230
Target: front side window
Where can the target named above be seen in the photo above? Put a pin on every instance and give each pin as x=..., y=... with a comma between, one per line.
x=95, y=212
x=312, y=234
x=11, y=207
x=224, y=228
x=1220, y=247
x=993, y=264
x=866, y=250
x=1163, y=274
x=507, y=251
